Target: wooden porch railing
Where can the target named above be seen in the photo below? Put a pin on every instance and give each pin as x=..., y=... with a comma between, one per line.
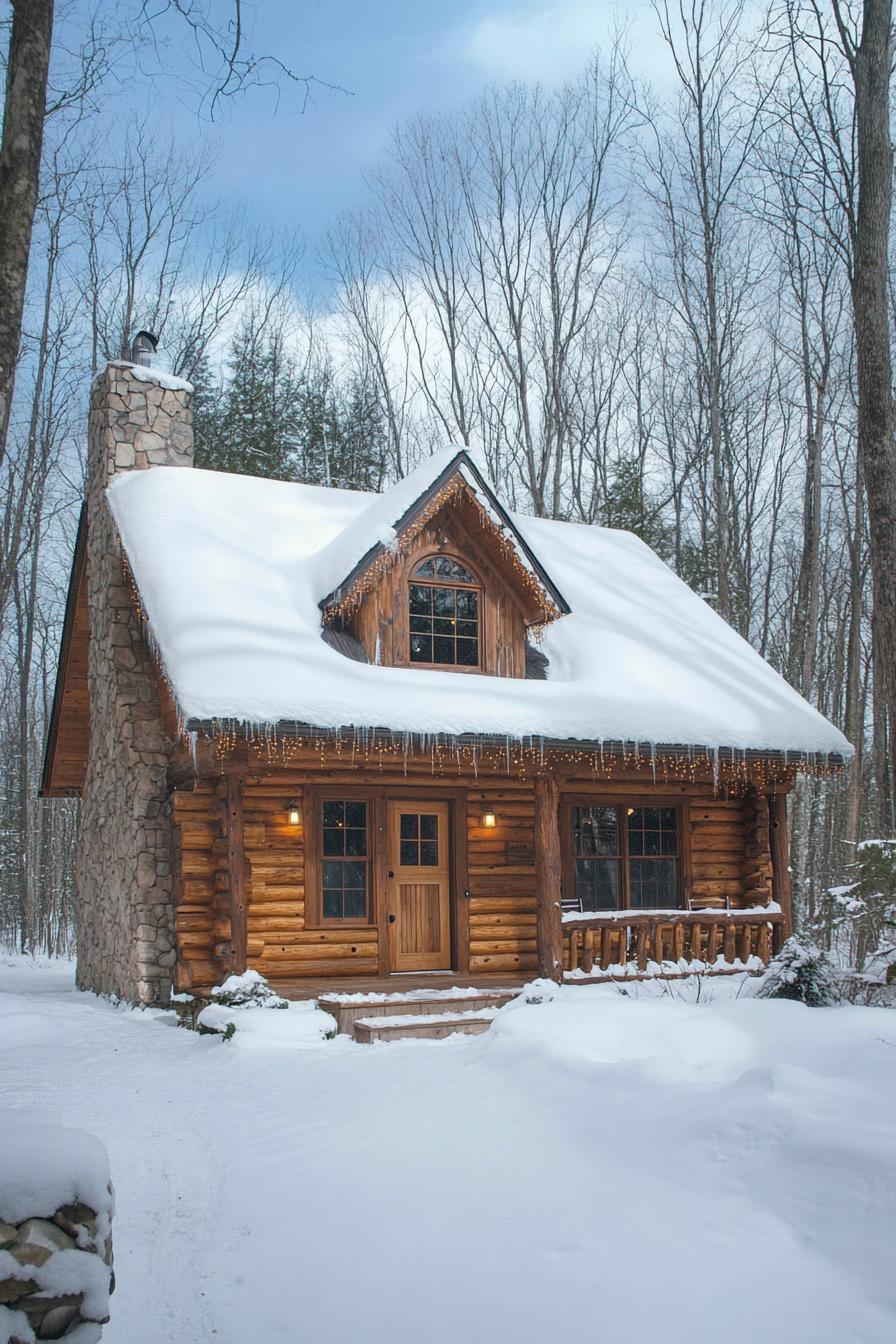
x=594, y=943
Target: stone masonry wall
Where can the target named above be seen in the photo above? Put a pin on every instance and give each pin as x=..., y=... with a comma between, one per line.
x=125, y=911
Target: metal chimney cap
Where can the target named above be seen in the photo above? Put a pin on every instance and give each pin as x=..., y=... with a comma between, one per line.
x=143, y=347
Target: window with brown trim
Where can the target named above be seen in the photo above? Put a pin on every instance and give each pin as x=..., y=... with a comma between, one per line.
x=622, y=857
x=338, y=858
x=345, y=859
x=444, y=614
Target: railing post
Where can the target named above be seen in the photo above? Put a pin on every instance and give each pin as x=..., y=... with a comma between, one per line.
x=779, y=841
x=549, y=927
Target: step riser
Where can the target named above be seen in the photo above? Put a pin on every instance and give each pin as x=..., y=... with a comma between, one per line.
x=427, y=1031
x=346, y=1014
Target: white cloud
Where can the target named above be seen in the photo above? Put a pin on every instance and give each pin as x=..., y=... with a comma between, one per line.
x=548, y=44
x=553, y=42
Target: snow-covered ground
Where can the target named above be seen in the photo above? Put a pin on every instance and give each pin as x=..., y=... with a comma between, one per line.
x=632, y=1168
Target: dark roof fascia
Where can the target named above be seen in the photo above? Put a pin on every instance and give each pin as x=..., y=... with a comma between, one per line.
x=414, y=510
x=647, y=750
x=79, y=560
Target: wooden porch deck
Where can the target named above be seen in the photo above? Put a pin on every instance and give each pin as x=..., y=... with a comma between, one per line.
x=295, y=988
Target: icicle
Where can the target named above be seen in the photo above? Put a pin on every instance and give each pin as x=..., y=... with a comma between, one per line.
x=653, y=759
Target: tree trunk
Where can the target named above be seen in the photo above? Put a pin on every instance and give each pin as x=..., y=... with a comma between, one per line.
x=871, y=65
x=23, y=128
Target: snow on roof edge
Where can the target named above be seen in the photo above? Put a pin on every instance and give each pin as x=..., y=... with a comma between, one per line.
x=239, y=642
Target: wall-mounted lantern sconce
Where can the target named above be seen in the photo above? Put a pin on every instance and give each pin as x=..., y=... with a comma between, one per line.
x=293, y=809
x=489, y=820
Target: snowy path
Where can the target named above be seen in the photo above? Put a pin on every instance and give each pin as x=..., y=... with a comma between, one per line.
x=632, y=1169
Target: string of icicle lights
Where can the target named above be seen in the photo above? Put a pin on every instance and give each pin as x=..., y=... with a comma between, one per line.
x=366, y=749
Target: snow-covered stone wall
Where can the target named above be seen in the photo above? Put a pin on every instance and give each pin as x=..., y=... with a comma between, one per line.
x=55, y=1234
x=125, y=915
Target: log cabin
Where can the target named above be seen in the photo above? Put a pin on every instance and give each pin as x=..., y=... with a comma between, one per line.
x=368, y=741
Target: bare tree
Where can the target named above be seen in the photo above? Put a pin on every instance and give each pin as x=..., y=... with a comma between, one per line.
x=696, y=164
x=24, y=110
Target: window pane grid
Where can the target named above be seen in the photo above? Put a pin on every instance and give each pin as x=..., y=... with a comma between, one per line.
x=418, y=838
x=653, y=858
x=344, y=861
x=444, y=625
x=596, y=836
x=625, y=857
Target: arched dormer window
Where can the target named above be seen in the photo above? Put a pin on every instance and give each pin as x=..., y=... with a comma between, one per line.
x=445, y=610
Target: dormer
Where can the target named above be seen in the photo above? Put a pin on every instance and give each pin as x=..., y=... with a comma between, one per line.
x=449, y=582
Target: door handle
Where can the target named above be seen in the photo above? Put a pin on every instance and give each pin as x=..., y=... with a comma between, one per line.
x=391, y=919
x=391, y=874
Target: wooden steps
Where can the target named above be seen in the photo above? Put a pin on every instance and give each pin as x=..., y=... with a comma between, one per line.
x=428, y=1015
x=422, y=1026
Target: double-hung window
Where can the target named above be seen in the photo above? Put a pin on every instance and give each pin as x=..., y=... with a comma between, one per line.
x=338, y=858
x=622, y=857
x=444, y=610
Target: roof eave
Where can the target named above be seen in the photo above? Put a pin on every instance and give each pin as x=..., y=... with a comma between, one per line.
x=616, y=747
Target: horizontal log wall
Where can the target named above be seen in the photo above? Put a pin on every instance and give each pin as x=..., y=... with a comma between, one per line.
x=728, y=841
x=201, y=922
x=279, y=943
x=501, y=884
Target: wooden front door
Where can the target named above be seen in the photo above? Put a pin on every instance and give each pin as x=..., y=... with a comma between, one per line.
x=418, y=891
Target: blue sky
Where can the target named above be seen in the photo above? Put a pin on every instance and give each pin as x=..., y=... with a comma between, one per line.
x=394, y=59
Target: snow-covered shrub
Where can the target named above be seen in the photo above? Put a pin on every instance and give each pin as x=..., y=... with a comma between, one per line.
x=249, y=990
x=540, y=991
x=215, y=1020
x=803, y=972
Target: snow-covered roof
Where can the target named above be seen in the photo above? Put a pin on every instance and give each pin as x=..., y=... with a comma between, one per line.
x=232, y=569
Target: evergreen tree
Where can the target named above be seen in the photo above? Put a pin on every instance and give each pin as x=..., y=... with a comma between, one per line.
x=628, y=504
x=801, y=971
x=253, y=428
x=360, y=462
x=267, y=419
x=207, y=395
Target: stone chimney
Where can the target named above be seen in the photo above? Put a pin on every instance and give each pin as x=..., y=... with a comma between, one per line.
x=139, y=418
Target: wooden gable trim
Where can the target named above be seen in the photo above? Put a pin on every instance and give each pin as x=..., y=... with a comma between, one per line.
x=50, y=787
x=381, y=621
x=412, y=514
